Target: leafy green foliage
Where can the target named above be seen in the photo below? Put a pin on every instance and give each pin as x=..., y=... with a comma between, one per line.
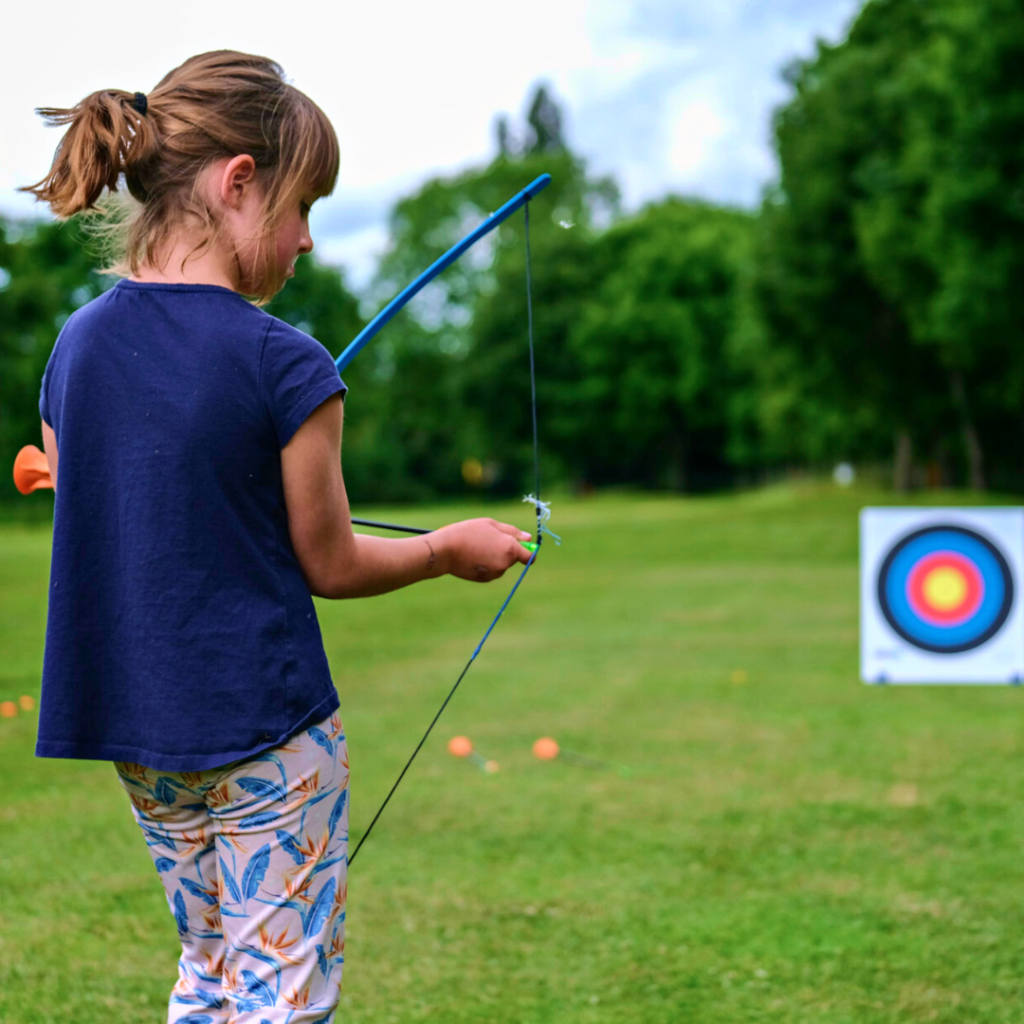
x=870, y=307
x=653, y=344
x=46, y=273
x=437, y=373
x=885, y=293
x=839, y=370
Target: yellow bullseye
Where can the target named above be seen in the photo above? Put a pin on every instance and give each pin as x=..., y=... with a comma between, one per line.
x=945, y=588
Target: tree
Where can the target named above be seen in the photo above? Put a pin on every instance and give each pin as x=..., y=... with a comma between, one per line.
x=941, y=221
x=503, y=137
x=654, y=347
x=841, y=371
x=438, y=339
x=545, y=121
x=890, y=252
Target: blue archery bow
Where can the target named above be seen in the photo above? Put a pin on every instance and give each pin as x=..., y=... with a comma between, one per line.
x=520, y=199
x=428, y=275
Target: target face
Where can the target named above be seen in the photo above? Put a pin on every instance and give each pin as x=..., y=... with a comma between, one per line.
x=945, y=589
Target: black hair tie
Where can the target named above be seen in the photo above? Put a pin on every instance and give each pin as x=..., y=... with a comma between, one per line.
x=140, y=104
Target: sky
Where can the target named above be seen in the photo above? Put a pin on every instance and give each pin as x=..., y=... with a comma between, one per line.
x=667, y=96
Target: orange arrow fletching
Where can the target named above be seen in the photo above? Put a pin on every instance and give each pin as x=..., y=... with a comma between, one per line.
x=31, y=470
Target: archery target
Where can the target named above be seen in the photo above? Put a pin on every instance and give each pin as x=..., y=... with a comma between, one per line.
x=940, y=595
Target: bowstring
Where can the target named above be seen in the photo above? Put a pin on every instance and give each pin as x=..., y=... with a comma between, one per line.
x=526, y=568
x=533, y=374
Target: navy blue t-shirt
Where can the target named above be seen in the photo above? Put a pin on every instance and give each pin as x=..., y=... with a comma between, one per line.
x=181, y=633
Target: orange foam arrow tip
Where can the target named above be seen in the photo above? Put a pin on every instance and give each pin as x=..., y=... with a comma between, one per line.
x=31, y=470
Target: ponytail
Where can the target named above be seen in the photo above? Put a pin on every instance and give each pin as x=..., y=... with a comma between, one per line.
x=215, y=105
x=108, y=136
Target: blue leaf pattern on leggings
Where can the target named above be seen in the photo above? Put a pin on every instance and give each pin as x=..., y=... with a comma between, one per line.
x=199, y=891
x=290, y=845
x=165, y=791
x=258, y=898
x=255, y=820
x=180, y=914
x=339, y=808
x=255, y=872
x=229, y=881
x=320, y=738
x=258, y=988
x=320, y=909
x=263, y=788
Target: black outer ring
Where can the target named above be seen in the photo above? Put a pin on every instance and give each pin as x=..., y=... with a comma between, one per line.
x=997, y=622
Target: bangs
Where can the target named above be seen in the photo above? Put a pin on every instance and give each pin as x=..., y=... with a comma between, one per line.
x=307, y=168
x=309, y=149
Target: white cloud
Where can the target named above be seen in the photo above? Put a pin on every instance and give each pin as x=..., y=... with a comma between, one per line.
x=667, y=95
x=697, y=127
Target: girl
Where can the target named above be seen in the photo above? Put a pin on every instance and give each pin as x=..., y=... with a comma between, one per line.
x=200, y=505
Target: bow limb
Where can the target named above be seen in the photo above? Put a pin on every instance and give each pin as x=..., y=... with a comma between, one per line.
x=500, y=215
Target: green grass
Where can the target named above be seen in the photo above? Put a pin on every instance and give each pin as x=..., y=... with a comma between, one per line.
x=795, y=848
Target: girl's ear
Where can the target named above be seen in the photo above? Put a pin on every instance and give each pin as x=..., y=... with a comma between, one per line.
x=237, y=179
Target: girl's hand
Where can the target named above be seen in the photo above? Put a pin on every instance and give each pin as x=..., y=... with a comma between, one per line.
x=480, y=549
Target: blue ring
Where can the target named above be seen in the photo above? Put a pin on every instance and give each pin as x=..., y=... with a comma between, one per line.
x=981, y=626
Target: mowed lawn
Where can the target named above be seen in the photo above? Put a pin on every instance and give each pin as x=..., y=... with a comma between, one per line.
x=791, y=845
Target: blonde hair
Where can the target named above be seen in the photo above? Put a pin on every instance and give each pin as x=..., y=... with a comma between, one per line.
x=215, y=105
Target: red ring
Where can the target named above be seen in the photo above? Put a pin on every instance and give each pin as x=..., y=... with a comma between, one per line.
x=951, y=616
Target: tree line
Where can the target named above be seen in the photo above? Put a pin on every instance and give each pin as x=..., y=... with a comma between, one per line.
x=870, y=310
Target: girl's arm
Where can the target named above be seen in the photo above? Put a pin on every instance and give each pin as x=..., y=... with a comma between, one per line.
x=50, y=447
x=338, y=563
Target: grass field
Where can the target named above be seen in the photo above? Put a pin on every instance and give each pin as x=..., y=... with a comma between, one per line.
x=792, y=846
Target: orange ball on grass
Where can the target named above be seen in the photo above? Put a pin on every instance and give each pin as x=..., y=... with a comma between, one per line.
x=545, y=748
x=460, y=746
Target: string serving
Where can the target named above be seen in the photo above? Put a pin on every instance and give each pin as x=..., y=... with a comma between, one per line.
x=543, y=512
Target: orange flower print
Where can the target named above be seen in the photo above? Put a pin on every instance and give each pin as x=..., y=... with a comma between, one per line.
x=131, y=770
x=337, y=947
x=214, y=962
x=218, y=796
x=230, y=978
x=195, y=841
x=296, y=999
x=340, y=898
x=314, y=849
x=308, y=787
x=182, y=987
x=275, y=945
x=296, y=884
x=144, y=803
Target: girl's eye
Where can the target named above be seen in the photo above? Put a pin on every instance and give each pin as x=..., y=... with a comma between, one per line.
x=304, y=209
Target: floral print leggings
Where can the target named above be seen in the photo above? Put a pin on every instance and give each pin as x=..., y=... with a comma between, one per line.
x=253, y=857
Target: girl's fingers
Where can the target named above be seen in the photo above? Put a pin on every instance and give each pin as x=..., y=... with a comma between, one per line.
x=512, y=531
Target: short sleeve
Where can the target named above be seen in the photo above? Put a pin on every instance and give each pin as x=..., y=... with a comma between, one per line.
x=296, y=375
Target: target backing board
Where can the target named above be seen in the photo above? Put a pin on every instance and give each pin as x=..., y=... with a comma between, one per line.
x=940, y=595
